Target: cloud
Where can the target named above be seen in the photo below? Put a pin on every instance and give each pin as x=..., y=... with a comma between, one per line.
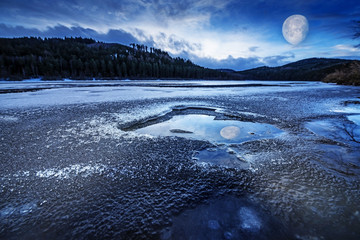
x=346, y=50
x=175, y=44
x=171, y=43
x=113, y=35
x=240, y=63
x=253, y=49
x=106, y=14
x=277, y=60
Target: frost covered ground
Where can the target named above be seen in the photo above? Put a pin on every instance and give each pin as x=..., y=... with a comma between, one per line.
x=78, y=160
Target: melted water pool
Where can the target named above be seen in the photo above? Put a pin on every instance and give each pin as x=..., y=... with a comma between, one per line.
x=337, y=131
x=355, y=119
x=204, y=127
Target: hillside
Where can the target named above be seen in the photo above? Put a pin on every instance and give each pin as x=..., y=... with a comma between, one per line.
x=313, y=69
x=79, y=58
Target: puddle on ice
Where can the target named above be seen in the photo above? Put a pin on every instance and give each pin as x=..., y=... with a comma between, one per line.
x=348, y=109
x=330, y=129
x=221, y=157
x=324, y=128
x=205, y=127
x=355, y=119
x=225, y=218
x=350, y=106
x=340, y=159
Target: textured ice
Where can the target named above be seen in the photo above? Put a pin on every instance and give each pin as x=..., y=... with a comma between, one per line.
x=8, y=118
x=13, y=209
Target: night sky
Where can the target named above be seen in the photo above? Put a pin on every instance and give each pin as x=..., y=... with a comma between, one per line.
x=237, y=34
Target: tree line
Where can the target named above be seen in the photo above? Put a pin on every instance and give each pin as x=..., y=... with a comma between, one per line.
x=84, y=58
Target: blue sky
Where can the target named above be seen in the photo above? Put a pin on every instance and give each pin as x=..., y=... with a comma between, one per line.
x=237, y=34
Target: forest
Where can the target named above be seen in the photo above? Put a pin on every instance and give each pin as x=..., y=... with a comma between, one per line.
x=340, y=71
x=84, y=58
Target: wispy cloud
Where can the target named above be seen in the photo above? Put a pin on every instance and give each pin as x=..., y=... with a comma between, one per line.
x=346, y=50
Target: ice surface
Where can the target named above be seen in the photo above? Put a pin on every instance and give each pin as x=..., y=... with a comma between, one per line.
x=96, y=181
x=78, y=92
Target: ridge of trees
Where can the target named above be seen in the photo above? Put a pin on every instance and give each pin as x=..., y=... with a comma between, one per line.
x=85, y=58
x=341, y=71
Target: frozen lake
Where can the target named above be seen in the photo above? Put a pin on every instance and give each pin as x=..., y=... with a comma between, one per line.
x=179, y=160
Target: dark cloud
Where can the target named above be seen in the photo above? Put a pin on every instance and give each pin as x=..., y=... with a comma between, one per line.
x=100, y=12
x=117, y=35
x=18, y=31
x=114, y=35
x=164, y=41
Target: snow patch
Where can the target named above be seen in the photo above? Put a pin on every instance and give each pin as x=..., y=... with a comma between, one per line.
x=71, y=171
x=7, y=118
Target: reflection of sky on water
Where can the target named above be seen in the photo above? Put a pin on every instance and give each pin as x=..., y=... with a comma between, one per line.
x=351, y=108
x=335, y=130
x=205, y=127
x=327, y=128
x=355, y=119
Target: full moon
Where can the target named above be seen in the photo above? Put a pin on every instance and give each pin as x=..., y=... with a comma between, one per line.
x=230, y=132
x=295, y=29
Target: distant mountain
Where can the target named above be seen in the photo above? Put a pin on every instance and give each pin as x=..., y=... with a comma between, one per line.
x=83, y=58
x=313, y=69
